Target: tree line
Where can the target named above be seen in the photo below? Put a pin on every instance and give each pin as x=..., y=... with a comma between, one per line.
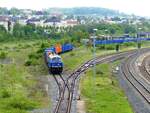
x=73, y=34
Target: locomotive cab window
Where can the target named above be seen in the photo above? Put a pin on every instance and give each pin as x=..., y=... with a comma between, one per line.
x=56, y=59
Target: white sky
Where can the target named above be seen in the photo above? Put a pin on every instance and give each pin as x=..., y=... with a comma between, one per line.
x=138, y=7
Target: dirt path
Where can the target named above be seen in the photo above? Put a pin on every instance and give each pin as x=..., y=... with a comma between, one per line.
x=81, y=106
x=6, y=61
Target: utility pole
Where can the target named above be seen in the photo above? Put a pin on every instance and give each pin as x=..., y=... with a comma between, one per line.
x=138, y=41
x=94, y=56
x=106, y=32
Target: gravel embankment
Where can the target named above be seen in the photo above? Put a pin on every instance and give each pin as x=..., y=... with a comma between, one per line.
x=137, y=102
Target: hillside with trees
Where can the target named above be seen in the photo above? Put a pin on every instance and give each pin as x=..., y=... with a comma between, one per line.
x=68, y=11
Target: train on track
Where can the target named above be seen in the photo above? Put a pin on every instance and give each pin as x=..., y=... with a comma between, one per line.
x=58, y=49
x=53, y=60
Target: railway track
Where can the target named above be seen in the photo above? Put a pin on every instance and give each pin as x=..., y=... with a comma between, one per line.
x=130, y=76
x=135, y=78
x=146, y=67
x=67, y=86
x=64, y=105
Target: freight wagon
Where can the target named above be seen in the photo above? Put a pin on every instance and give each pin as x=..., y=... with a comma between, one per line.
x=63, y=48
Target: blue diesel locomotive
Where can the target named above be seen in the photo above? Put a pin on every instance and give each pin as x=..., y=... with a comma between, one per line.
x=53, y=61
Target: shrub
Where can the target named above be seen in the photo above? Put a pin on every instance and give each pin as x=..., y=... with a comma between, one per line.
x=5, y=93
x=21, y=102
x=35, y=44
x=19, y=45
x=1, y=65
x=129, y=44
x=26, y=46
x=3, y=55
x=12, y=110
x=44, y=45
x=33, y=56
x=28, y=63
x=6, y=47
x=110, y=47
x=100, y=47
x=99, y=72
x=17, y=50
x=34, y=62
x=41, y=50
x=31, y=62
x=72, y=54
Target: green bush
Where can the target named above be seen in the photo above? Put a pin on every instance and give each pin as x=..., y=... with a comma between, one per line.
x=20, y=46
x=72, y=54
x=110, y=47
x=21, y=102
x=33, y=56
x=6, y=47
x=44, y=45
x=99, y=72
x=129, y=44
x=5, y=93
x=31, y=62
x=26, y=46
x=3, y=55
x=35, y=44
x=100, y=47
x=41, y=50
x=1, y=65
x=17, y=50
x=28, y=63
x=34, y=62
x=12, y=110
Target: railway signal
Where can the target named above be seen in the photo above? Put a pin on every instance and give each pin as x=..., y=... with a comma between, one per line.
x=139, y=45
x=117, y=47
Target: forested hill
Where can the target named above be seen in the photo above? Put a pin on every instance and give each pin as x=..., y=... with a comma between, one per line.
x=86, y=11
x=69, y=11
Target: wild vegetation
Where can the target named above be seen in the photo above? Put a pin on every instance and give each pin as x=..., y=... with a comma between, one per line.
x=101, y=93
x=3, y=55
x=19, y=91
x=19, y=78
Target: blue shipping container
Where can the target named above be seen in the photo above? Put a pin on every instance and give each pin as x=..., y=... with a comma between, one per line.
x=67, y=47
x=120, y=40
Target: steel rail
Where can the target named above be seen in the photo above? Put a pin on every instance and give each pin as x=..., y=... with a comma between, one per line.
x=71, y=79
x=87, y=65
x=130, y=76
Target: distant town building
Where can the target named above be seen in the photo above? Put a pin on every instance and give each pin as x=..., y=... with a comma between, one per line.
x=53, y=21
x=71, y=22
x=22, y=20
x=4, y=21
x=34, y=21
x=39, y=14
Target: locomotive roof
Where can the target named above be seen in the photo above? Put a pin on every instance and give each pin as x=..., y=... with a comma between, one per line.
x=54, y=56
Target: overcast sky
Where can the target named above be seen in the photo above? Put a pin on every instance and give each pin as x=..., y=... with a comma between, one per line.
x=138, y=7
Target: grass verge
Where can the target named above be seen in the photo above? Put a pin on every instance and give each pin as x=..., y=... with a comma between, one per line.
x=103, y=94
